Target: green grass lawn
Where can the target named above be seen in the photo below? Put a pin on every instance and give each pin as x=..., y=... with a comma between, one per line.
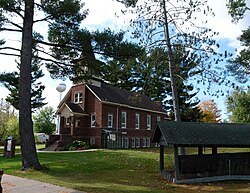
x=112, y=171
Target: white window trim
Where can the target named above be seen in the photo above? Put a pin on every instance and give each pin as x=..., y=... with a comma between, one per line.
x=148, y=142
x=77, y=98
x=77, y=122
x=133, y=142
x=110, y=115
x=92, y=141
x=125, y=142
x=137, y=116
x=137, y=142
x=91, y=121
x=148, y=122
x=144, y=143
x=124, y=124
x=158, y=118
x=67, y=121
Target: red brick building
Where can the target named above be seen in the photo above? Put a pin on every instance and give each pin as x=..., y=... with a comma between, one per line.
x=108, y=117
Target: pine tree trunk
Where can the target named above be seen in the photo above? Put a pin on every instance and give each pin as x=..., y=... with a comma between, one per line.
x=172, y=67
x=27, y=140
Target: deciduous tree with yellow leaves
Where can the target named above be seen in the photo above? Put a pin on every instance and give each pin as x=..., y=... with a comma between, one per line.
x=210, y=110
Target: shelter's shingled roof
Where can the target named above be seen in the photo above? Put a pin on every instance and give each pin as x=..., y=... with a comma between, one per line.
x=108, y=93
x=202, y=134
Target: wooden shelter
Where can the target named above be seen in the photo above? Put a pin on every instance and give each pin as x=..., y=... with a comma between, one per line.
x=204, y=167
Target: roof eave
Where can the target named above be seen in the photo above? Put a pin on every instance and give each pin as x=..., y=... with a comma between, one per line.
x=132, y=107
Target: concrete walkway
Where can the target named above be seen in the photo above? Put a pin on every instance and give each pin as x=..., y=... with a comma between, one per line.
x=13, y=184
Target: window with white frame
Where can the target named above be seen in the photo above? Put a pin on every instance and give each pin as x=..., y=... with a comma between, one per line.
x=148, y=122
x=78, y=97
x=125, y=142
x=110, y=120
x=77, y=122
x=93, y=121
x=124, y=119
x=137, y=121
x=148, y=142
x=137, y=142
x=144, y=142
x=158, y=118
x=92, y=141
x=133, y=142
x=67, y=120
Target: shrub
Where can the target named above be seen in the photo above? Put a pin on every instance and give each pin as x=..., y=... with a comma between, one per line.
x=75, y=145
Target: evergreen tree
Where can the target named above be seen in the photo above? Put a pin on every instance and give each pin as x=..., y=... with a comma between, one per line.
x=239, y=66
x=10, y=81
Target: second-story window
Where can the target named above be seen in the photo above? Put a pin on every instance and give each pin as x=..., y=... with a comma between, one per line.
x=78, y=97
x=137, y=120
x=110, y=120
x=148, y=122
x=158, y=118
x=93, y=122
x=124, y=119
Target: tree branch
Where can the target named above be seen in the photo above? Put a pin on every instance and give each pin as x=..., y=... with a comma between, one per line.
x=8, y=54
x=18, y=26
x=10, y=48
x=7, y=29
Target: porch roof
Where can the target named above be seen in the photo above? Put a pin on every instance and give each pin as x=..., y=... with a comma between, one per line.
x=193, y=134
x=70, y=109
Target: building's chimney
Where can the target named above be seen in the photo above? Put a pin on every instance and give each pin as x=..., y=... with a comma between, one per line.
x=158, y=104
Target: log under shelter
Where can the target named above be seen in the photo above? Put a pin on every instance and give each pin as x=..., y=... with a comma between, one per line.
x=204, y=167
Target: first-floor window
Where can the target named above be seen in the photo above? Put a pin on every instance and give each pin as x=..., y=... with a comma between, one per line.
x=67, y=121
x=93, y=121
x=92, y=141
x=110, y=120
x=144, y=142
x=77, y=123
x=125, y=142
x=137, y=142
x=148, y=142
x=133, y=142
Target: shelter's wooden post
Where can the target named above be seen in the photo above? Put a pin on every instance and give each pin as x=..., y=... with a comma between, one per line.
x=161, y=158
x=200, y=150
x=214, y=150
x=176, y=163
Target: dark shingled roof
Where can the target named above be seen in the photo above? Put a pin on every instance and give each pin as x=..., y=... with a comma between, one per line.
x=108, y=93
x=202, y=134
x=75, y=108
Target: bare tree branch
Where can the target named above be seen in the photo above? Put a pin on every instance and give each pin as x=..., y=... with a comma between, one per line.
x=8, y=54
x=10, y=48
x=8, y=29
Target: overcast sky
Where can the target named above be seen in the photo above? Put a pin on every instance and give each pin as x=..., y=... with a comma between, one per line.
x=102, y=15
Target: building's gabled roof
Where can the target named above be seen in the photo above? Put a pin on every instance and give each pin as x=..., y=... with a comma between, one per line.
x=202, y=134
x=109, y=94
